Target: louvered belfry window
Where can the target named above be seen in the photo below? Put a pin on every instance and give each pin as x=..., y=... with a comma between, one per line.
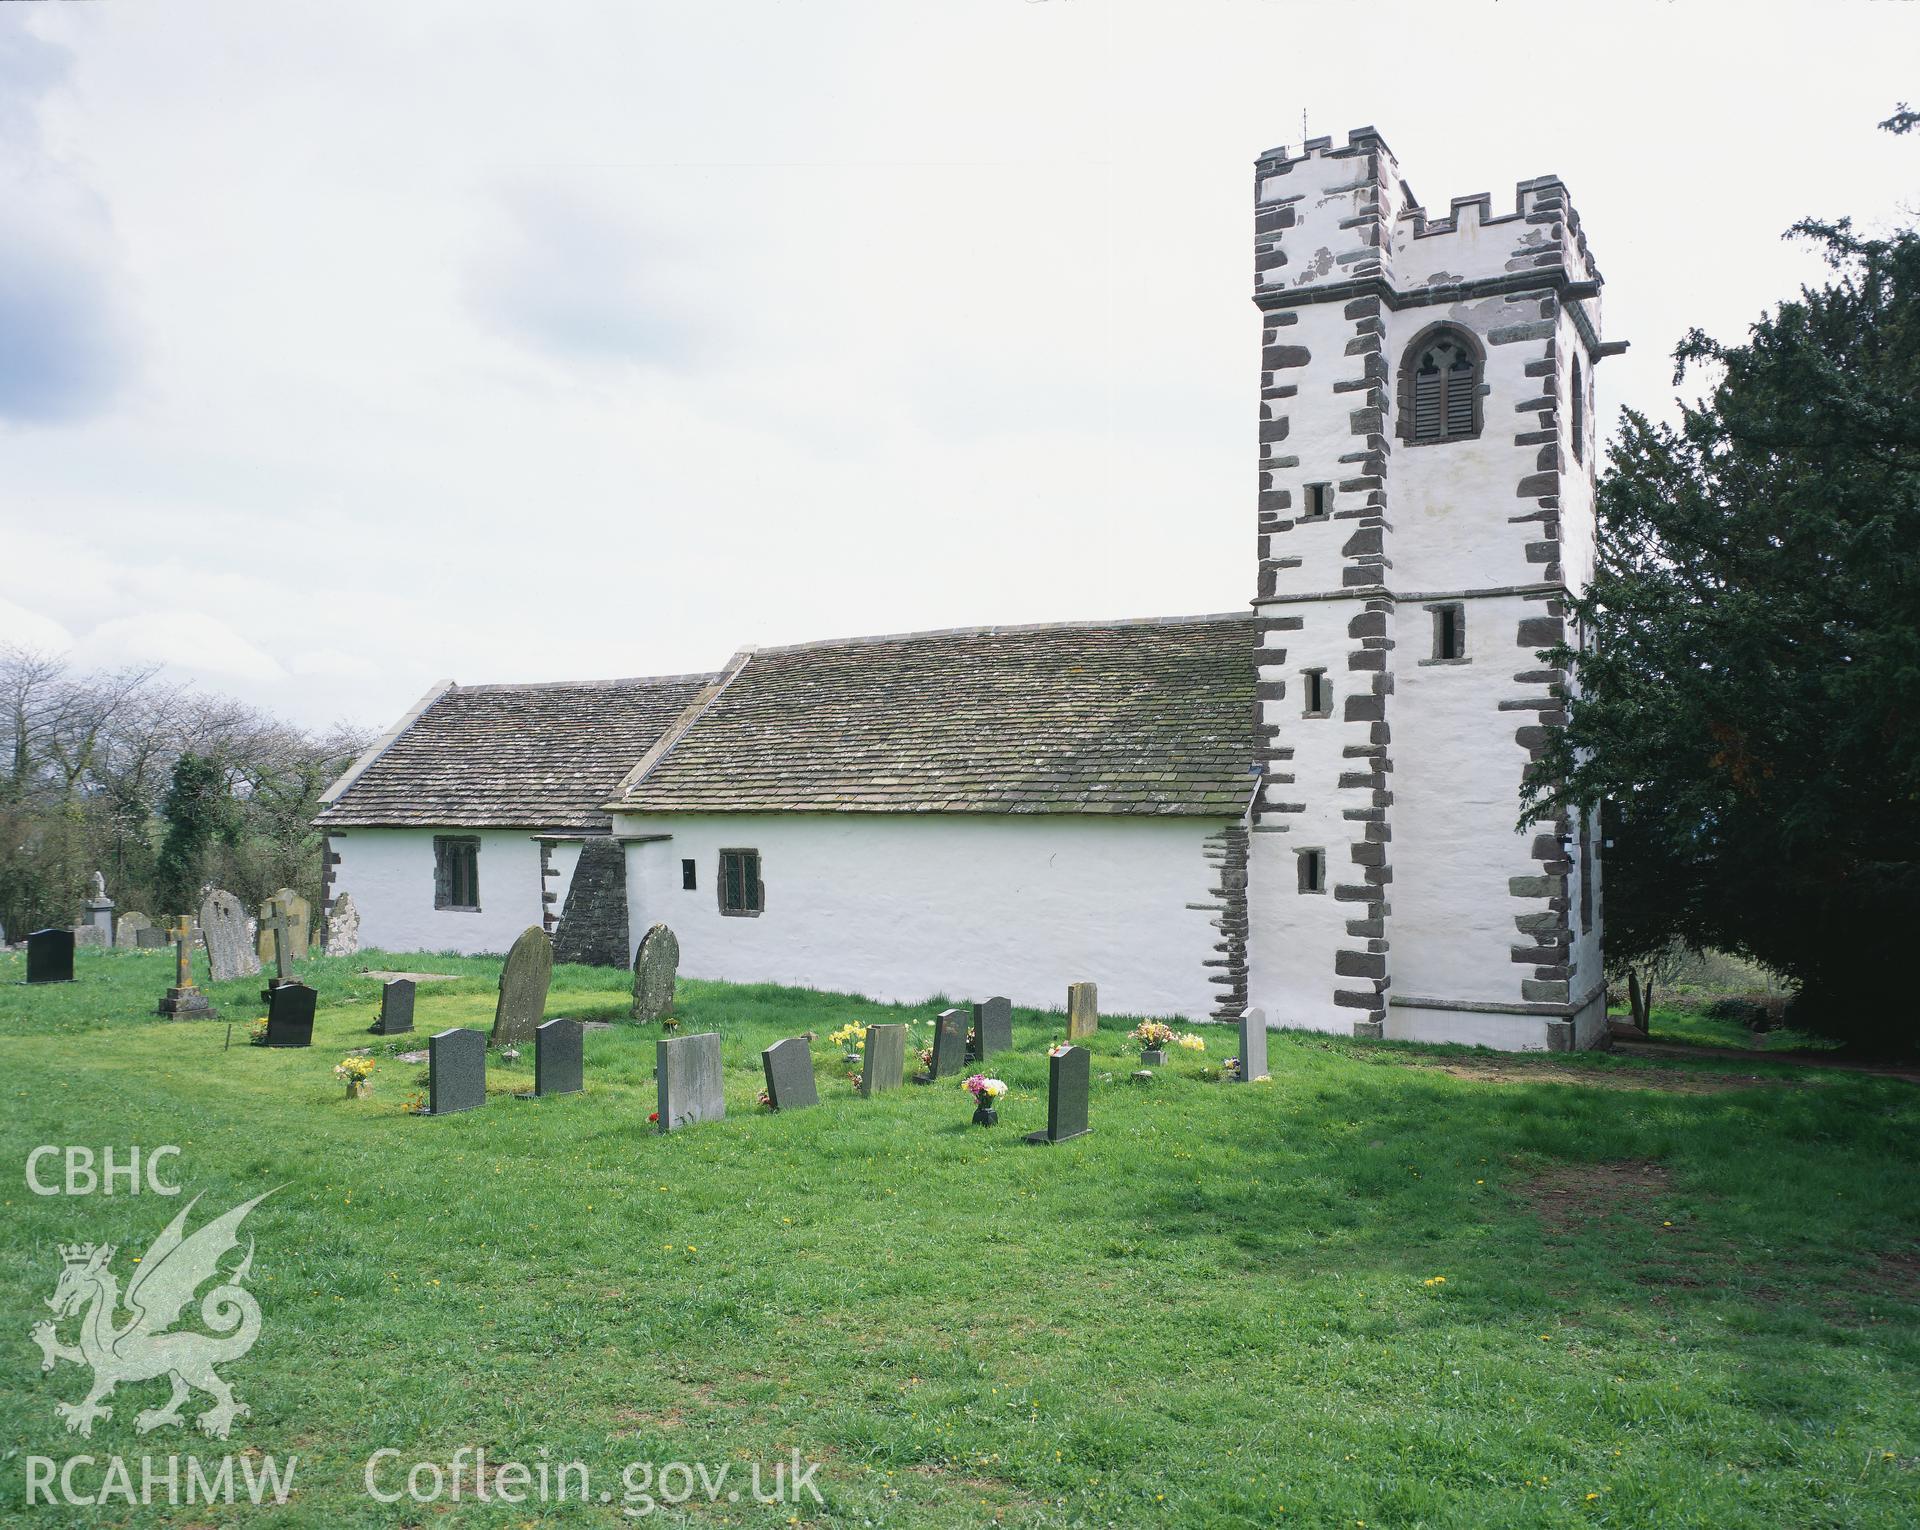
x=1446, y=385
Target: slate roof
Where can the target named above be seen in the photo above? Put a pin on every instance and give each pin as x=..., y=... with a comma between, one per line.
x=1147, y=717
x=514, y=756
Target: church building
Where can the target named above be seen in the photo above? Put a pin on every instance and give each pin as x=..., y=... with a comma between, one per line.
x=1306, y=809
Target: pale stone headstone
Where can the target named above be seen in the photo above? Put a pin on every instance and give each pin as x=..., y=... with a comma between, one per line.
x=949, y=1046
x=50, y=956
x=1069, y=1079
x=152, y=938
x=558, y=1066
x=396, y=1008
x=127, y=928
x=523, y=987
x=456, y=1072
x=655, y=964
x=687, y=1080
x=343, y=927
x=992, y=1027
x=299, y=917
x=90, y=935
x=223, y=926
x=1083, y=1010
x=886, y=1059
x=788, y=1066
x=1253, y=1045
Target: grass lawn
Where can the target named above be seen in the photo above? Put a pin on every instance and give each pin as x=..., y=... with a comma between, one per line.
x=1395, y=1286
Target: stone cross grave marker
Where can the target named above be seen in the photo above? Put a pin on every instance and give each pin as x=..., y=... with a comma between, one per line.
x=456, y=1072
x=788, y=1066
x=1083, y=1010
x=1253, y=1045
x=275, y=927
x=396, y=1008
x=949, y=1046
x=523, y=987
x=343, y=927
x=687, y=1080
x=50, y=956
x=185, y=1001
x=655, y=965
x=290, y=1015
x=885, y=1065
x=1069, y=1076
x=223, y=929
x=992, y=1028
x=127, y=928
x=558, y=1065
x=299, y=916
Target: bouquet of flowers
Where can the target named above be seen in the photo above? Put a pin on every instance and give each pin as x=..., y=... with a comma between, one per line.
x=257, y=1032
x=848, y=1034
x=986, y=1091
x=1152, y=1035
x=355, y=1071
x=1191, y=1041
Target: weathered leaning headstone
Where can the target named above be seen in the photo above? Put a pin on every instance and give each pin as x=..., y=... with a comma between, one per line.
x=127, y=928
x=655, y=965
x=396, y=1008
x=992, y=1027
x=558, y=1066
x=290, y=1015
x=1083, y=1010
x=456, y=1072
x=1253, y=1045
x=152, y=938
x=299, y=916
x=50, y=956
x=524, y=981
x=788, y=1066
x=343, y=927
x=687, y=1080
x=185, y=1001
x=885, y=1064
x=90, y=935
x=1069, y=1077
x=223, y=928
x=949, y=1046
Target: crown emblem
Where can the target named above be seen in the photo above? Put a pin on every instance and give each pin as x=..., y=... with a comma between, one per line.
x=77, y=1254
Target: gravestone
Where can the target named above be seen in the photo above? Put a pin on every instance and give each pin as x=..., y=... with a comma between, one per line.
x=992, y=1028
x=278, y=926
x=1253, y=1045
x=91, y=935
x=396, y=1008
x=50, y=956
x=152, y=938
x=523, y=987
x=885, y=1065
x=655, y=965
x=456, y=1072
x=299, y=916
x=185, y=1001
x=290, y=1015
x=949, y=1046
x=1083, y=1010
x=788, y=1066
x=687, y=1080
x=127, y=928
x=223, y=928
x=1069, y=1076
x=99, y=915
x=558, y=1067
x=343, y=927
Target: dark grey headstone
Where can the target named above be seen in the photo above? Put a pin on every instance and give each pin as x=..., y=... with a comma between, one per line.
x=992, y=1027
x=949, y=1044
x=1069, y=1076
x=456, y=1072
x=655, y=965
x=1083, y=1010
x=885, y=1065
x=396, y=1007
x=50, y=956
x=290, y=1015
x=1253, y=1045
x=523, y=987
x=557, y=1064
x=149, y=938
x=788, y=1065
x=687, y=1080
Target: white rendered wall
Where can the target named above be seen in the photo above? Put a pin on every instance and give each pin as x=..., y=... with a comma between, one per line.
x=390, y=874
x=903, y=907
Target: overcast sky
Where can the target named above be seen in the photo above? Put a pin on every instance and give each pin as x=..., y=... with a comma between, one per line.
x=344, y=346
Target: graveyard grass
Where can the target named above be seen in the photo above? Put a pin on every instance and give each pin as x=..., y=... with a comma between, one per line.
x=1588, y=1292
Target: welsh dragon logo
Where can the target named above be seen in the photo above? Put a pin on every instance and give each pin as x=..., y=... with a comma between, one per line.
x=169, y=1274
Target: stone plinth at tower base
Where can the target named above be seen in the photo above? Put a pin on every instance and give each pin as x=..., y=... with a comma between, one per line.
x=1511, y=1028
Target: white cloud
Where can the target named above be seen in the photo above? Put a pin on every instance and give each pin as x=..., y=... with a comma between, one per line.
x=23, y=628
x=188, y=640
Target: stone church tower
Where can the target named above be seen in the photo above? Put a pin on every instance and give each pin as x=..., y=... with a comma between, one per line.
x=1426, y=505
